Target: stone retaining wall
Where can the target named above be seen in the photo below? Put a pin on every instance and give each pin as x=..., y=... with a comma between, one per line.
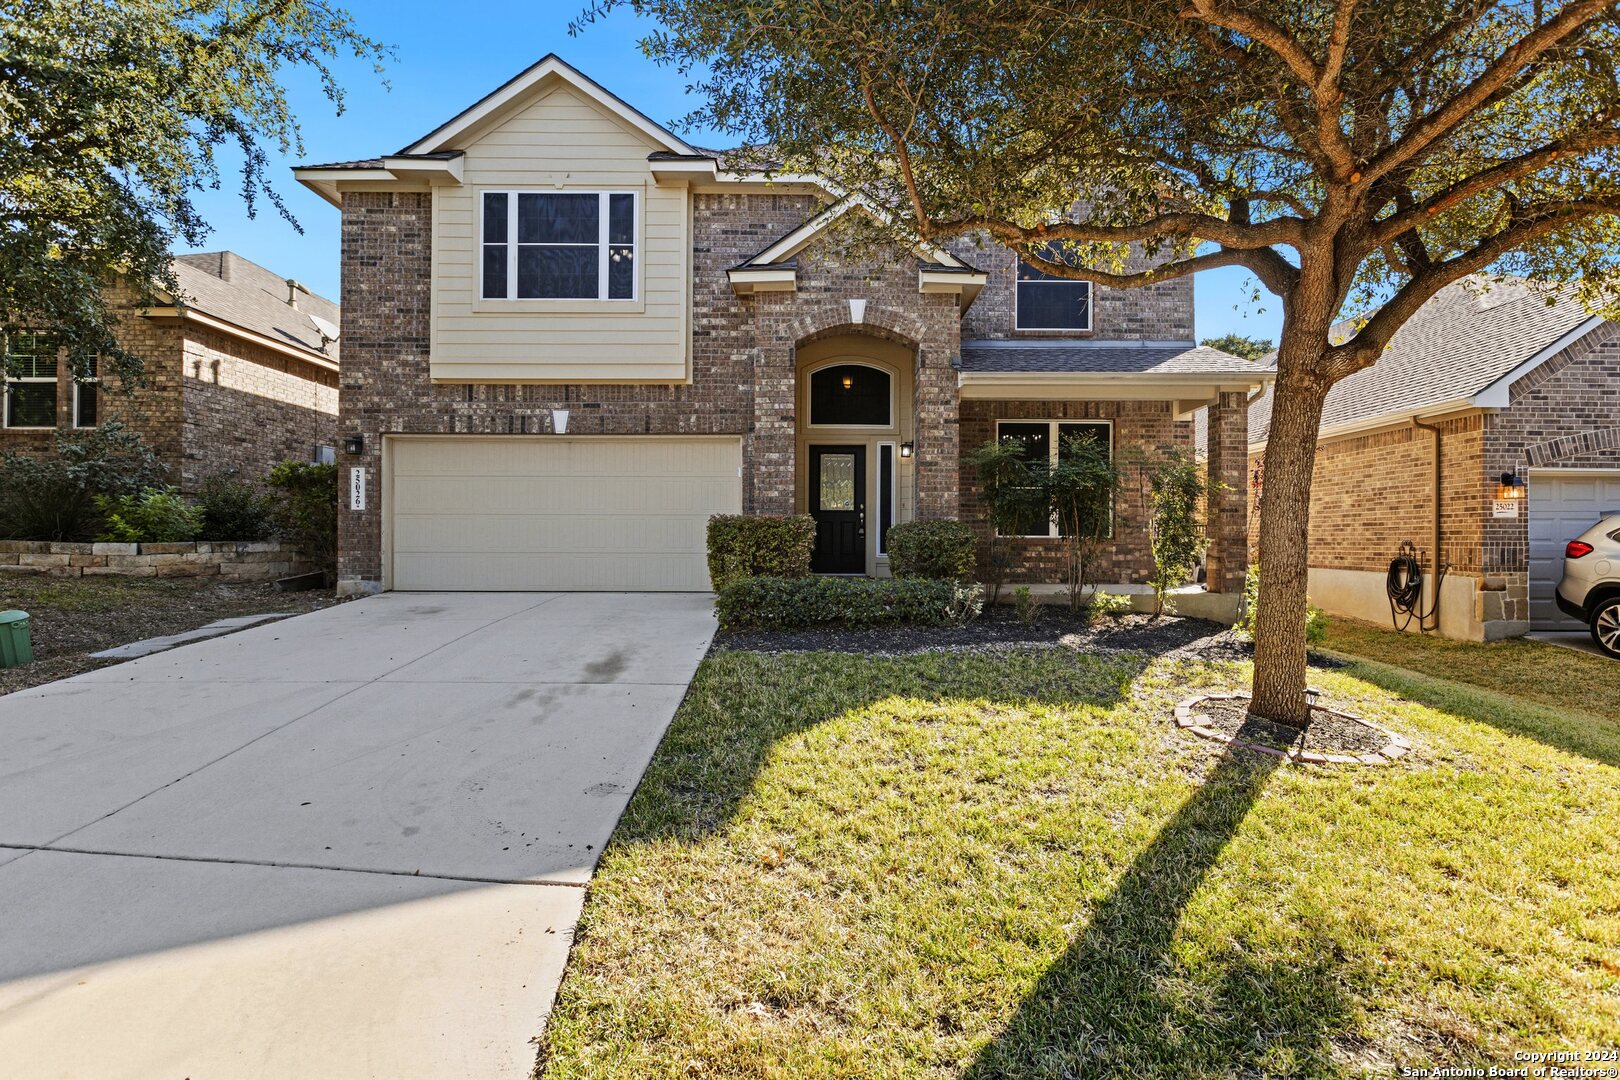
x=232, y=560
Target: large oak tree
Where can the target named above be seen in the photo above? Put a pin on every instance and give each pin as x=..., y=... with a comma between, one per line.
x=1354, y=155
x=113, y=116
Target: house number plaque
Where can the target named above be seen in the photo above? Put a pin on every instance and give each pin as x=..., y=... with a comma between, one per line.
x=357, y=488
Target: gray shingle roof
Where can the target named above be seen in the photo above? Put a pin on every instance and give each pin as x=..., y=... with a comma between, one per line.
x=1124, y=357
x=1457, y=344
x=245, y=294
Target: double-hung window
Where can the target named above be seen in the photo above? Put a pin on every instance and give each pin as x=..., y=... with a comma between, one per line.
x=1046, y=440
x=30, y=381
x=558, y=245
x=1046, y=302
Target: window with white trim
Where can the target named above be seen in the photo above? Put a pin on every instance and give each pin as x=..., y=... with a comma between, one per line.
x=1043, y=301
x=1043, y=440
x=30, y=378
x=558, y=245
x=86, y=395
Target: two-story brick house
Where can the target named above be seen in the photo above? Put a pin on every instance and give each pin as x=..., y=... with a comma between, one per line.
x=570, y=337
x=239, y=372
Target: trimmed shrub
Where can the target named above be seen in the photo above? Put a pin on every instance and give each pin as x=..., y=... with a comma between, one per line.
x=932, y=549
x=155, y=516
x=234, y=509
x=744, y=546
x=768, y=603
x=54, y=498
x=306, y=510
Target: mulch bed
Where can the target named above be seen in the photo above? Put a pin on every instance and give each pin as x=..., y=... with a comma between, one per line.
x=1166, y=635
x=1333, y=737
x=73, y=617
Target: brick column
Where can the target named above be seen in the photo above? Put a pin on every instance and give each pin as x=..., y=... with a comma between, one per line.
x=769, y=448
x=938, y=436
x=1227, y=561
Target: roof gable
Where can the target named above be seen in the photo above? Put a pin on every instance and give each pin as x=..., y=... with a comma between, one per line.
x=529, y=86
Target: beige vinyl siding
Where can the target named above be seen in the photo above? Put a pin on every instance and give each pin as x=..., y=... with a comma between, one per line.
x=561, y=142
x=557, y=513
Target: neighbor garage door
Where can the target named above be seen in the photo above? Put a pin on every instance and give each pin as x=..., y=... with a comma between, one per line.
x=557, y=513
x=1562, y=506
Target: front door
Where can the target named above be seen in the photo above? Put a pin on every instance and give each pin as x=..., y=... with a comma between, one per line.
x=838, y=503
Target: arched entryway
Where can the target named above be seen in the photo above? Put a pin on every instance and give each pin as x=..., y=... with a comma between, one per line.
x=855, y=431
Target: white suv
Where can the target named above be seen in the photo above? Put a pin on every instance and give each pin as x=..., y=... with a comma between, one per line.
x=1590, y=589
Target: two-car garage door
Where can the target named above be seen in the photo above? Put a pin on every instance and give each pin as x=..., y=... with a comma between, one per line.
x=557, y=512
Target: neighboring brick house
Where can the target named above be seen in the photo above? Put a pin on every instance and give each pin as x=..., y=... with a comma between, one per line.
x=1518, y=391
x=570, y=337
x=239, y=372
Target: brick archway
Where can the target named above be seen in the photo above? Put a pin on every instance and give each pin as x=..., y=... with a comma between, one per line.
x=1587, y=442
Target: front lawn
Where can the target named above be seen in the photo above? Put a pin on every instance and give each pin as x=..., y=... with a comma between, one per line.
x=72, y=617
x=1009, y=864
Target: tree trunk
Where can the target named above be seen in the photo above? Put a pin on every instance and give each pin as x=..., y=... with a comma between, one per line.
x=1285, y=512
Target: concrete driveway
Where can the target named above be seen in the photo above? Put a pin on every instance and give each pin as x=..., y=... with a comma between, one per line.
x=349, y=844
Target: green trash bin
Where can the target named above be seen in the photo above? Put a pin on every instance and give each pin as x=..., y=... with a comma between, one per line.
x=16, y=648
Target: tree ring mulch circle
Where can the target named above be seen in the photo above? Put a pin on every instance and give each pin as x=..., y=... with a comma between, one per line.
x=1334, y=737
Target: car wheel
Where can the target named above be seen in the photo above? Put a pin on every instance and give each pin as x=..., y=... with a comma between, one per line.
x=1606, y=626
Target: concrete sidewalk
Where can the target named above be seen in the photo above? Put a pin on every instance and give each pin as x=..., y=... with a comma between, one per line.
x=348, y=844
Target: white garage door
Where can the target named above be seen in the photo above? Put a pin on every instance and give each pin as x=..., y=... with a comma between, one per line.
x=558, y=513
x=1562, y=506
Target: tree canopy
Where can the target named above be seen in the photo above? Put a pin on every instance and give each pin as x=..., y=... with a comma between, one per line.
x=113, y=116
x=1353, y=155
x=1239, y=345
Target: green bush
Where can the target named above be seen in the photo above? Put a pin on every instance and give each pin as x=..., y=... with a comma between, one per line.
x=744, y=546
x=1107, y=603
x=1026, y=604
x=155, y=516
x=234, y=509
x=769, y=603
x=932, y=549
x=54, y=498
x=306, y=510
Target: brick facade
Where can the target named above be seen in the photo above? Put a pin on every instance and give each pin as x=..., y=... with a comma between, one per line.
x=743, y=358
x=207, y=402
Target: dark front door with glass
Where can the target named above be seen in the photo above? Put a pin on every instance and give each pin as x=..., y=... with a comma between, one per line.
x=838, y=503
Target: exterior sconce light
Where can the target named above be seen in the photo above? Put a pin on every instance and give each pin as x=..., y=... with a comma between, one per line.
x=1511, y=487
x=559, y=421
x=354, y=445
x=906, y=449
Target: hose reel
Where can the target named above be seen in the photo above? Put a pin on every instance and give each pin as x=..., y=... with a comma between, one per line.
x=1404, y=584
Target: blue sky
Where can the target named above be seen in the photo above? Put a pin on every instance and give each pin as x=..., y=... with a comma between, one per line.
x=444, y=65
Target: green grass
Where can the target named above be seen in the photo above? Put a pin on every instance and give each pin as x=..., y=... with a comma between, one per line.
x=1012, y=865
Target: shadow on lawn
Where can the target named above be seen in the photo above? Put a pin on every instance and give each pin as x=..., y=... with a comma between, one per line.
x=1115, y=1004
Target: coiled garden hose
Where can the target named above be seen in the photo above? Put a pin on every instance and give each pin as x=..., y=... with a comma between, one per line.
x=1404, y=584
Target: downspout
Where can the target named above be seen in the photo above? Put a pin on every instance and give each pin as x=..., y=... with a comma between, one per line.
x=1435, y=575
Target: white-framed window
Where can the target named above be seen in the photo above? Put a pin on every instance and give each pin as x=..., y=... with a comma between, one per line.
x=87, y=395
x=887, y=489
x=558, y=245
x=1044, y=302
x=30, y=378
x=1043, y=440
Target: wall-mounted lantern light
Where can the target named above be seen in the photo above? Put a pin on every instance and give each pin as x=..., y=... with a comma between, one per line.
x=559, y=421
x=906, y=449
x=1511, y=487
x=354, y=445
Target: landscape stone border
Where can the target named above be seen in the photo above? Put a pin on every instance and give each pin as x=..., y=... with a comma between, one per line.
x=1189, y=719
x=234, y=560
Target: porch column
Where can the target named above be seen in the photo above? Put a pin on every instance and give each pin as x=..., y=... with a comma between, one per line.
x=938, y=436
x=1227, y=562
x=768, y=449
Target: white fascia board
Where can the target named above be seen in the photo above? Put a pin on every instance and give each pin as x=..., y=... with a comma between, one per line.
x=752, y=280
x=966, y=285
x=518, y=87
x=433, y=170
x=324, y=182
x=1495, y=396
x=1101, y=385
x=685, y=171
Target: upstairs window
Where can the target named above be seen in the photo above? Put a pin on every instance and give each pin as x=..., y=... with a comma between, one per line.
x=1045, y=302
x=30, y=381
x=565, y=245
